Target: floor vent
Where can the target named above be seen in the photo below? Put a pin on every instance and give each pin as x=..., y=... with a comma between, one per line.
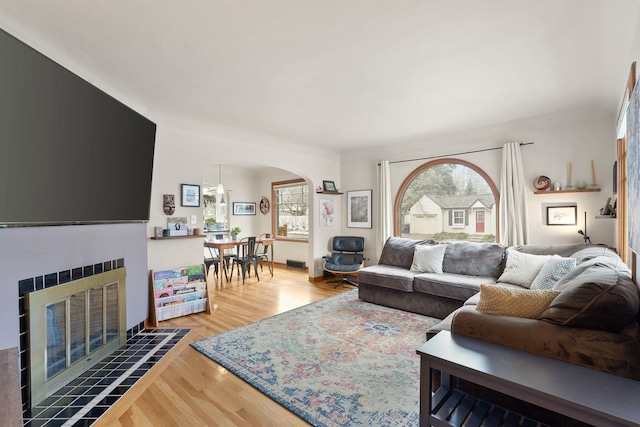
x=301, y=265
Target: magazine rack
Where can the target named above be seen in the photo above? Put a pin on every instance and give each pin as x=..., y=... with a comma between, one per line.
x=177, y=292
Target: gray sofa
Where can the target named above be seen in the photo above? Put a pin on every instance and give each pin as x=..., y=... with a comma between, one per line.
x=592, y=319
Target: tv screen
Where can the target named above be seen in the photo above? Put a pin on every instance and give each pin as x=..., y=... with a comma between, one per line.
x=69, y=153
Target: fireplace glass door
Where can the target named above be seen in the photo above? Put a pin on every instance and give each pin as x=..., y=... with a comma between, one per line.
x=73, y=327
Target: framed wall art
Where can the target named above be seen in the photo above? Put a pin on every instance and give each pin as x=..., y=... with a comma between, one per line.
x=359, y=209
x=562, y=215
x=190, y=195
x=329, y=186
x=244, y=208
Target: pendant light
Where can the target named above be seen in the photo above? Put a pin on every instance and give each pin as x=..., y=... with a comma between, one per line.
x=220, y=189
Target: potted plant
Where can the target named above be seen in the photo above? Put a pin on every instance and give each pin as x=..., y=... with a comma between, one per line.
x=234, y=233
x=210, y=223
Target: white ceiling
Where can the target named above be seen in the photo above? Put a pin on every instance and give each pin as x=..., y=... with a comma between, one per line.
x=342, y=74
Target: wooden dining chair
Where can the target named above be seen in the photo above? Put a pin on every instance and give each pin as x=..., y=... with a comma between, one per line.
x=245, y=257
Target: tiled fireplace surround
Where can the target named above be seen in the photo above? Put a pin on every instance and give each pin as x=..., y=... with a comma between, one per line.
x=46, y=281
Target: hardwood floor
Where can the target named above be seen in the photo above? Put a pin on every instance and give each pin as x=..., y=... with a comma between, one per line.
x=188, y=389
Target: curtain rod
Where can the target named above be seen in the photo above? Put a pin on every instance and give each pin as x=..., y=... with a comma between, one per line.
x=454, y=154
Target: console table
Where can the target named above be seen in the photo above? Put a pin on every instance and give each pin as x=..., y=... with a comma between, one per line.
x=579, y=393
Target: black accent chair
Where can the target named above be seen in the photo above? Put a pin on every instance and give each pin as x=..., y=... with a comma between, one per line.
x=347, y=258
x=245, y=257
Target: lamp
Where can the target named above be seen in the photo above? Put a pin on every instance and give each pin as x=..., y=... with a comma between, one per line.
x=584, y=233
x=222, y=203
x=220, y=189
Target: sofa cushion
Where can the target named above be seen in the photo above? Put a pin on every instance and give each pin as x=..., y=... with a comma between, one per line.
x=398, y=251
x=455, y=286
x=525, y=303
x=597, y=294
x=564, y=250
x=473, y=258
x=521, y=268
x=554, y=270
x=388, y=276
x=592, y=252
x=428, y=258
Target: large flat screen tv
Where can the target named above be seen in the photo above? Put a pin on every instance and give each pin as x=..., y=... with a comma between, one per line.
x=69, y=153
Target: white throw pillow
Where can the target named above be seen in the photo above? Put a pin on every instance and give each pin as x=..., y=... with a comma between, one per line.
x=428, y=258
x=554, y=270
x=522, y=268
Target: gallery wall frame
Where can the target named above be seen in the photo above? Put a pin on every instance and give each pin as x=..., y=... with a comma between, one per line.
x=190, y=195
x=562, y=215
x=244, y=208
x=359, y=208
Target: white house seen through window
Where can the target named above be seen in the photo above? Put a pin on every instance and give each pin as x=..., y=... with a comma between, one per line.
x=447, y=199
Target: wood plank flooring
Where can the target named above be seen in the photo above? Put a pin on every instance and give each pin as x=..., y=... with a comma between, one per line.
x=188, y=389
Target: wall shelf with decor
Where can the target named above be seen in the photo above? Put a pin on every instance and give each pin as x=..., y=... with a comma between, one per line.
x=586, y=190
x=178, y=292
x=192, y=236
x=328, y=192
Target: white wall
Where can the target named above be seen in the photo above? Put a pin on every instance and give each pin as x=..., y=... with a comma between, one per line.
x=576, y=136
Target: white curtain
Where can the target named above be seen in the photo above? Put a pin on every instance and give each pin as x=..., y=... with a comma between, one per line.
x=385, y=207
x=514, y=228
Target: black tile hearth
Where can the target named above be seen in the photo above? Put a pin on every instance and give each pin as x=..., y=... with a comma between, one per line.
x=89, y=396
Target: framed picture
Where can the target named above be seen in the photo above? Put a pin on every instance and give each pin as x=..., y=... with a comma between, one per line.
x=359, y=209
x=329, y=186
x=244, y=208
x=190, y=195
x=327, y=213
x=562, y=215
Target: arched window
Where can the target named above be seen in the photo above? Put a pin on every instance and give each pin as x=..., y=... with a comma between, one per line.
x=447, y=199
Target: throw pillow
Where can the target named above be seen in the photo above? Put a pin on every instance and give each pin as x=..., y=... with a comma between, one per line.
x=602, y=297
x=553, y=270
x=524, y=303
x=428, y=258
x=521, y=269
x=398, y=251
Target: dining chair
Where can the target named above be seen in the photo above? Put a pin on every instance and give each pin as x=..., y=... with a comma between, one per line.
x=227, y=254
x=245, y=257
x=262, y=252
x=212, y=258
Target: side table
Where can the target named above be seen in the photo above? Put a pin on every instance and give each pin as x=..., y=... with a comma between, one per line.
x=577, y=392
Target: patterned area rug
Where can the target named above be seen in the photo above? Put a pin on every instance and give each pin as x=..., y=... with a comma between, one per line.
x=336, y=362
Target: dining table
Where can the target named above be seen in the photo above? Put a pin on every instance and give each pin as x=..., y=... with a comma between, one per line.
x=226, y=243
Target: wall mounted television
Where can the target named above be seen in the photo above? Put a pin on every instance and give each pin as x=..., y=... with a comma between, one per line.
x=69, y=153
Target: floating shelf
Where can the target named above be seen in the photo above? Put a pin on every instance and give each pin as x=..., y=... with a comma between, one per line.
x=193, y=236
x=605, y=216
x=586, y=190
x=329, y=192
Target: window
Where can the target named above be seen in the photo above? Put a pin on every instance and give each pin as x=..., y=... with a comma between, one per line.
x=291, y=210
x=458, y=218
x=447, y=199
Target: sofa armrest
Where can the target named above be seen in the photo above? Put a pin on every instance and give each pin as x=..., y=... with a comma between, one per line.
x=615, y=353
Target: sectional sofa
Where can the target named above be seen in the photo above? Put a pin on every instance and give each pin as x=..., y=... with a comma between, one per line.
x=573, y=302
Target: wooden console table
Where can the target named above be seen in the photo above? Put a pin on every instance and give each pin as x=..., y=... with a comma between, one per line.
x=580, y=393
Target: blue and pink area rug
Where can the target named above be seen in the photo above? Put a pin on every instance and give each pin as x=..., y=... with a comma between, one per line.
x=336, y=362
